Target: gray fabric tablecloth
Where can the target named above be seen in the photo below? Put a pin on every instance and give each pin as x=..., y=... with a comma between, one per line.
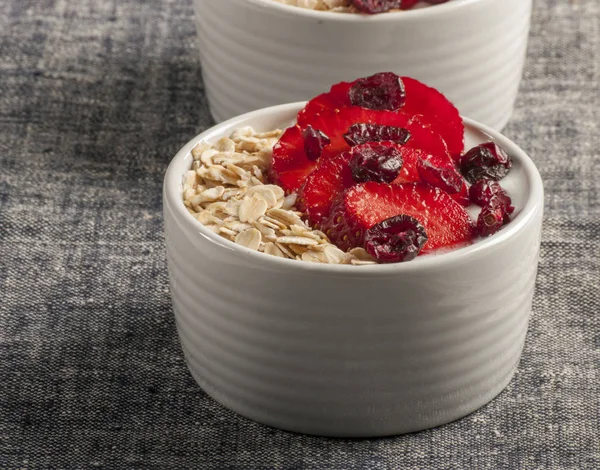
x=95, y=98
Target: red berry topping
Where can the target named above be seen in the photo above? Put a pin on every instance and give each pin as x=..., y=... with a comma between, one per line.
x=333, y=175
x=484, y=191
x=362, y=133
x=375, y=162
x=290, y=166
x=437, y=111
x=492, y=218
x=376, y=6
x=362, y=206
x=290, y=163
x=337, y=123
x=382, y=91
x=486, y=161
x=433, y=169
x=314, y=143
x=365, y=125
x=336, y=98
x=441, y=177
x=399, y=238
x=432, y=107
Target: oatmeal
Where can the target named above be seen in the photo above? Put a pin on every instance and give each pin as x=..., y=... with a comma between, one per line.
x=227, y=191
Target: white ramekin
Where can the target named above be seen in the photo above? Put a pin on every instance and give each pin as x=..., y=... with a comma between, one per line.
x=258, y=53
x=352, y=350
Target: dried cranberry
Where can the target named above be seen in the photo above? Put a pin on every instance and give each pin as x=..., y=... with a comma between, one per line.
x=362, y=133
x=382, y=91
x=492, y=218
x=485, y=161
x=399, y=238
x=377, y=162
x=484, y=191
x=444, y=178
x=314, y=142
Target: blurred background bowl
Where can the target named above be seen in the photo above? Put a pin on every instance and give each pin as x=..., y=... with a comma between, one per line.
x=258, y=53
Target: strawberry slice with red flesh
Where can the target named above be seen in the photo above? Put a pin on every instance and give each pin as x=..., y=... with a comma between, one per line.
x=433, y=108
x=413, y=171
x=437, y=111
x=359, y=208
x=290, y=165
x=332, y=176
x=336, y=98
x=336, y=123
x=329, y=179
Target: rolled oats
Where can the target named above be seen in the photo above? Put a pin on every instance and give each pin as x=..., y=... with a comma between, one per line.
x=252, y=208
x=225, y=191
x=250, y=238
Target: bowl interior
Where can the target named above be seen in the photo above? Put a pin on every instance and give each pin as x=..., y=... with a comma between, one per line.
x=523, y=184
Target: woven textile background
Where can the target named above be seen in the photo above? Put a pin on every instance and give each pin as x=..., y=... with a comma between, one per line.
x=96, y=96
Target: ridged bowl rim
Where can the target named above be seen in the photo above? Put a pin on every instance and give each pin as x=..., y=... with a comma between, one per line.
x=173, y=202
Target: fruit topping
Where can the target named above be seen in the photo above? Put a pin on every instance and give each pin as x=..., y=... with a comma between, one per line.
x=484, y=191
x=487, y=161
x=289, y=165
x=436, y=170
x=444, y=178
x=382, y=91
x=336, y=98
x=362, y=206
x=332, y=176
x=399, y=238
x=492, y=218
x=375, y=162
x=326, y=182
x=314, y=143
x=437, y=111
x=360, y=125
x=362, y=133
x=430, y=106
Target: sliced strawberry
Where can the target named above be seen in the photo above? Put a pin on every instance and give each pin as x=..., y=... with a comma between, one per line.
x=446, y=222
x=332, y=176
x=411, y=173
x=434, y=109
x=335, y=124
x=438, y=111
x=290, y=166
x=425, y=138
x=327, y=181
x=335, y=98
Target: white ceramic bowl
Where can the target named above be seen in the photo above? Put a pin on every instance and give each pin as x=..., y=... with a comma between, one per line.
x=258, y=53
x=343, y=350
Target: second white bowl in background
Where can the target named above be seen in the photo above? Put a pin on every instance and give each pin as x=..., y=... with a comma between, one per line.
x=258, y=53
